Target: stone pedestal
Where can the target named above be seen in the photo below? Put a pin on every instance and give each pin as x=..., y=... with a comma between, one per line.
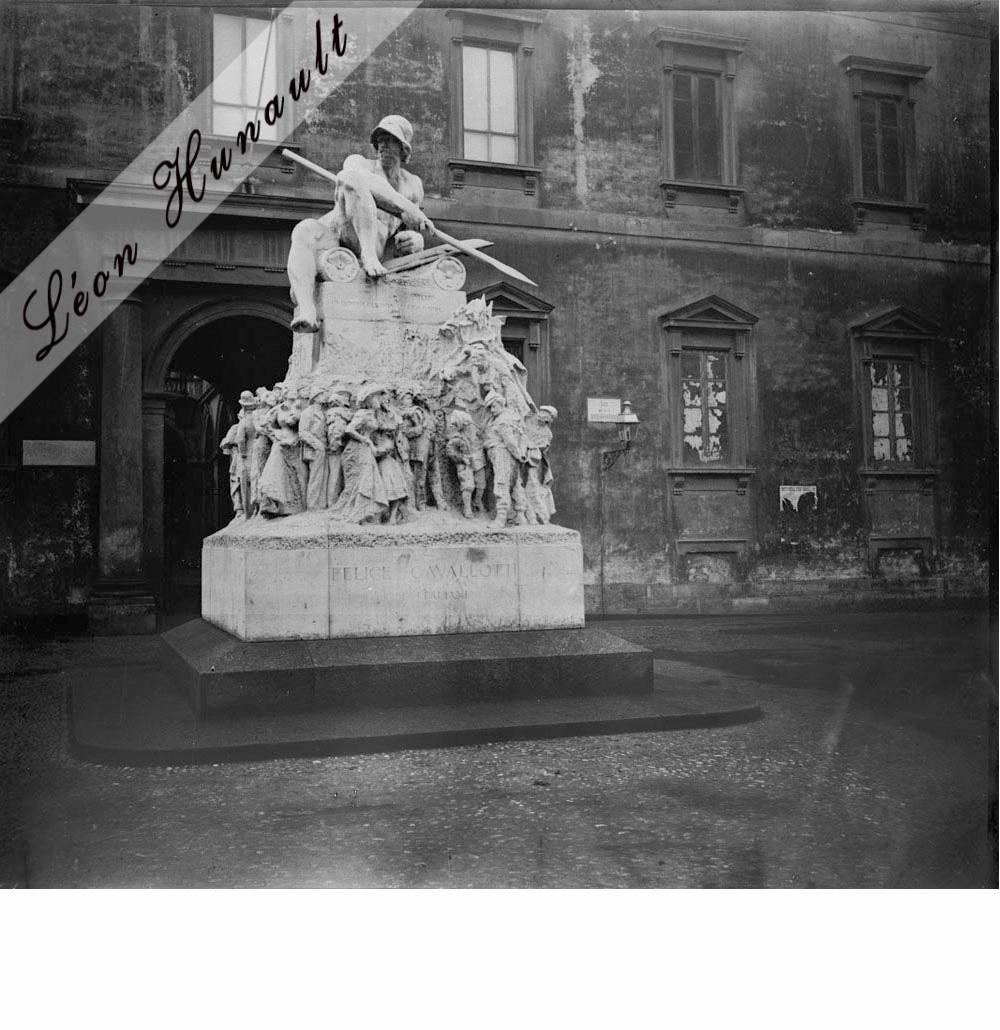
x=308, y=577
x=306, y=612
x=386, y=329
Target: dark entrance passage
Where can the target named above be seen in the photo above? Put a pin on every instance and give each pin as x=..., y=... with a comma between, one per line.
x=203, y=383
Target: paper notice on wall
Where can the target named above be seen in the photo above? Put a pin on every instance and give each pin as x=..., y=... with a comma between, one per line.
x=603, y=409
x=791, y=498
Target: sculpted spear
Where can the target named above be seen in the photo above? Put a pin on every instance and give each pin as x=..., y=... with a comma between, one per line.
x=457, y=244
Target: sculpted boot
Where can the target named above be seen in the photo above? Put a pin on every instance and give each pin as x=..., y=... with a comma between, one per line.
x=500, y=522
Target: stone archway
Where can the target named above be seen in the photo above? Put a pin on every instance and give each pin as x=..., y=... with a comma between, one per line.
x=192, y=379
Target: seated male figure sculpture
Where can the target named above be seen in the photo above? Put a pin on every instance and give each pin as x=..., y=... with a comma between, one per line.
x=375, y=198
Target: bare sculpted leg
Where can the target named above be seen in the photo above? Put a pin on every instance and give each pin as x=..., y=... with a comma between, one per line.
x=360, y=213
x=308, y=238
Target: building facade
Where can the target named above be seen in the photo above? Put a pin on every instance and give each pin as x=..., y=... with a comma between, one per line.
x=767, y=230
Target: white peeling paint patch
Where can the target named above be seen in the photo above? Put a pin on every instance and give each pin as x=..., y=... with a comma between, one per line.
x=582, y=74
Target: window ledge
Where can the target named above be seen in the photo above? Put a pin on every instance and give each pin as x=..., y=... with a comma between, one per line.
x=267, y=152
x=872, y=209
x=895, y=479
x=713, y=470
x=489, y=180
x=728, y=199
x=680, y=474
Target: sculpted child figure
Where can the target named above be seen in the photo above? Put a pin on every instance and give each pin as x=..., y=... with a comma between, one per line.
x=375, y=198
x=477, y=457
x=460, y=452
x=417, y=430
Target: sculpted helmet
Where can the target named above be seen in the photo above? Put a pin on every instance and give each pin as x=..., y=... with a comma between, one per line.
x=400, y=129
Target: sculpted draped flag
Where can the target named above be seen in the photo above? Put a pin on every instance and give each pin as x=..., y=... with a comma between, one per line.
x=169, y=189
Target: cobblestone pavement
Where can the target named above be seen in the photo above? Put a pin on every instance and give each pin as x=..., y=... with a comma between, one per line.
x=874, y=766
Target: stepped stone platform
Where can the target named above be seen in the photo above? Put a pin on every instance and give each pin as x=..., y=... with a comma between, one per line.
x=309, y=577
x=134, y=714
x=224, y=676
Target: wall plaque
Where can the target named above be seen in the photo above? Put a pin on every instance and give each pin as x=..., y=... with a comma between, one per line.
x=59, y=452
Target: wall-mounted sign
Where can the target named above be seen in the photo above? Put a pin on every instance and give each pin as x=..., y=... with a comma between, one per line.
x=59, y=452
x=603, y=409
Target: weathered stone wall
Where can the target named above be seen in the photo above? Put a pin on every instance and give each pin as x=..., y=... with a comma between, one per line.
x=597, y=110
x=48, y=516
x=95, y=83
x=605, y=343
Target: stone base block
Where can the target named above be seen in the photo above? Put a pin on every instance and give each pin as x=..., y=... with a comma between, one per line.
x=222, y=675
x=308, y=577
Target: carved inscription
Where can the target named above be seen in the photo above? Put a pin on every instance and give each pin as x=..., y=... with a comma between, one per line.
x=434, y=581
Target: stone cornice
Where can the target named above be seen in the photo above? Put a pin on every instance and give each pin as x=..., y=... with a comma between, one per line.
x=292, y=209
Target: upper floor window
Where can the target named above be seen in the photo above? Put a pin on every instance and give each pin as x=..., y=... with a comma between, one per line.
x=697, y=123
x=698, y=129
x=884, y=137
x=492, y=106
x=244, y=73
x=882, y=156
x=489, y=104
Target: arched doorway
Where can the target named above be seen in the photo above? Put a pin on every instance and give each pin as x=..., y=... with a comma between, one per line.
x=205, y=370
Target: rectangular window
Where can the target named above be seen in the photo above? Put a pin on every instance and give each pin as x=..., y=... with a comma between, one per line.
x=882, y=148
x=892, y=412
x=489, y=104
x=705, y=407
x=245, y=73
x=884, y=145
x=697, y=133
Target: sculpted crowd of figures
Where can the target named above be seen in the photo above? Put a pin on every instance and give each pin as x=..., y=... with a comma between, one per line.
x=470, y=438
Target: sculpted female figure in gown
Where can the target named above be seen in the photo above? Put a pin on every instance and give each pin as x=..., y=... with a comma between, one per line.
x=363, y=497
x=282, y=483
x=389, y=440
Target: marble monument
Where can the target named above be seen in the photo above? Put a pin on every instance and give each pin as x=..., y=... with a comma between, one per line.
x=396, y=481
